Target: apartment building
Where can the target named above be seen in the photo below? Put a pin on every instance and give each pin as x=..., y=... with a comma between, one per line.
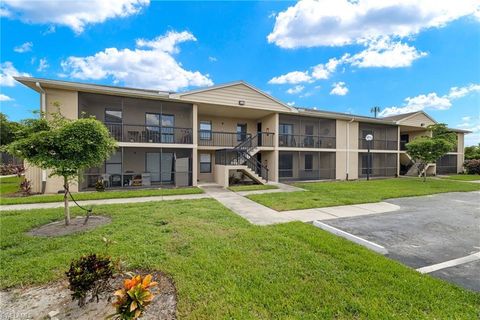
x=229, y=132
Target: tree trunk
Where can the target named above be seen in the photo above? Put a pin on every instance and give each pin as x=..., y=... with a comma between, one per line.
x=65, y=201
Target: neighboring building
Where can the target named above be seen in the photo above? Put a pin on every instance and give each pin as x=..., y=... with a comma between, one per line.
x=212, y=134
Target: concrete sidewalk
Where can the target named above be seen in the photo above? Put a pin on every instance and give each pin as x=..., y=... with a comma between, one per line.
x=51, y=205
x=262, y=215
x=282, y=187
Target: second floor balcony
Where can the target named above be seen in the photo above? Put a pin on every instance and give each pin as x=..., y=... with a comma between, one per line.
x=377, y=144
x=233, y=139
x=306, y=141
x=150, y=134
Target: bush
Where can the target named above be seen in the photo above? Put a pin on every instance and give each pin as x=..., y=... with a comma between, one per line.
x=100, y=185
x=134, y=297
x=89, y=274
x=26, y=187
x=9, y=169
x=472, y=166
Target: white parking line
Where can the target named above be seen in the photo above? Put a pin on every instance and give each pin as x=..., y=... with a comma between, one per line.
x=450, y=263
x=368, y=244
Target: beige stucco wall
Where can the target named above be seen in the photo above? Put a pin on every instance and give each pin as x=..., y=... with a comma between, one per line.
x=346, y=162
x=222, y=124
x=461, y=151
x=206, y=177
x=68, y=101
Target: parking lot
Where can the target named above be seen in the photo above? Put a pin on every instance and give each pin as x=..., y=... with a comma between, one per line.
x=427, y=231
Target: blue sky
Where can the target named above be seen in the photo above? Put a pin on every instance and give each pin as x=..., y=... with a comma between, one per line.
x=333, y=55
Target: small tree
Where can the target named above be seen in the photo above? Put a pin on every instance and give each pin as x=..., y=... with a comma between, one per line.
x=425, y=149
x=63, y=146
x=472, y=152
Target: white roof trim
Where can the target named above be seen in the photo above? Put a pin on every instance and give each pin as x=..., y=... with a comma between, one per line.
x=231, y=84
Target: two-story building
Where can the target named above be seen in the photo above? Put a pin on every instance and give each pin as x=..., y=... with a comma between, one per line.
x=215, y=133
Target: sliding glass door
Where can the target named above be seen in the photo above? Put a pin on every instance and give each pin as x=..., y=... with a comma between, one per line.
x=160, y=166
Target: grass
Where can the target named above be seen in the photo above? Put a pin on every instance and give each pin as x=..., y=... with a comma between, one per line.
x=462, y=177
x=326, y=194
x=225, y=268
x=252, y=187
x=11, y=186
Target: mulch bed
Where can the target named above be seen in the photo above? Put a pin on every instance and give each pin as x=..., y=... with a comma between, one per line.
x=58, y=228
x=37, y=302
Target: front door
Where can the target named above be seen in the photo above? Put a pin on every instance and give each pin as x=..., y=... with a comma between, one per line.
x=241, y=131
x=259, y=134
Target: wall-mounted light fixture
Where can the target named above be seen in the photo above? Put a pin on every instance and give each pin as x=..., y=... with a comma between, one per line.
x=241, y=102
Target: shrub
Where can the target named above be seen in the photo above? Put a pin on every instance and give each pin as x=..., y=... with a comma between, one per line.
x=8, y=169
x=100, y=185
x=26, y=187
x=134, y=297
x=472, y=166
x=89, y=274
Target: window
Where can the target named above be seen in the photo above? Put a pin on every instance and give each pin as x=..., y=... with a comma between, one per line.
x=285, y=165
x=286, y=137
x=156, y=122
x=205, y=130
x=205, y=163
x=309, y=162
x=113, y=116
x=241, y=132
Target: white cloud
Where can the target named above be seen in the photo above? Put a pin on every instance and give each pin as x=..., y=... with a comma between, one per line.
x=7, y=72
x=466, y=119
x=456, y=92
x=296, y=89
x=73, y=14
x=471, y=124
x=25, y=47
x=150, y=65
x=212, y=59
x=339, y=89
x=378, y=53
x=291, y=103
x=385, y=53
x=293, y=77
x=431, y=101
x=42, y=65
x=5, y=97
x=50, y=29
x=336, y=23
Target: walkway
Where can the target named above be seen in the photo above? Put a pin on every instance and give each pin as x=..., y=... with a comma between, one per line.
x=51, y=205
x=252, y=211
x=262, y=215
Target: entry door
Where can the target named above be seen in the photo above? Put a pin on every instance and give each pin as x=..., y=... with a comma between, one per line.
x=241, y=131
x=259, y=133
x=153, y=165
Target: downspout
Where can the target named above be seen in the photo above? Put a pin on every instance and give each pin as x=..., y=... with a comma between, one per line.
x=348, y=149
x=43, y=109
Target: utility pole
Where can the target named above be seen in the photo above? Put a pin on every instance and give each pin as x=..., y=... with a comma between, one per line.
x=375, y=111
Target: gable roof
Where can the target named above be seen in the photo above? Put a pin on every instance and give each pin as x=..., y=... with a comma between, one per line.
x=190, y=95
x=405, y=116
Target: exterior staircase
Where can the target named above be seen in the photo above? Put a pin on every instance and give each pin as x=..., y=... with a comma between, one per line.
x=242, y=158
x=415, y=169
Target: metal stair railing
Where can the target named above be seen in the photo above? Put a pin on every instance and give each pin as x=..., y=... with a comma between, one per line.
x=238, y=157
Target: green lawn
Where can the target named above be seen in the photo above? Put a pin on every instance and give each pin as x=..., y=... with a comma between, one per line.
x=9, y=185
x=326, y=194
x=5, y=200
x=462, y=177
x=225, y=268
x=253, y=187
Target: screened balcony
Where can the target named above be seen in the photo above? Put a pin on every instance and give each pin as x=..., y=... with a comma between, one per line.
x=381, y=164
x=141, y=120
x=301, y=166
x=385, y=137
x=135, y=168
x=306, y=132
x=447, y=164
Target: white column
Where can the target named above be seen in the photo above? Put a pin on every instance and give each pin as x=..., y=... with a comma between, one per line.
x=195, y=144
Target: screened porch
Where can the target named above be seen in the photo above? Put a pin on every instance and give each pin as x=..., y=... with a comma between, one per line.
x=142, y=168
x=300, y=166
